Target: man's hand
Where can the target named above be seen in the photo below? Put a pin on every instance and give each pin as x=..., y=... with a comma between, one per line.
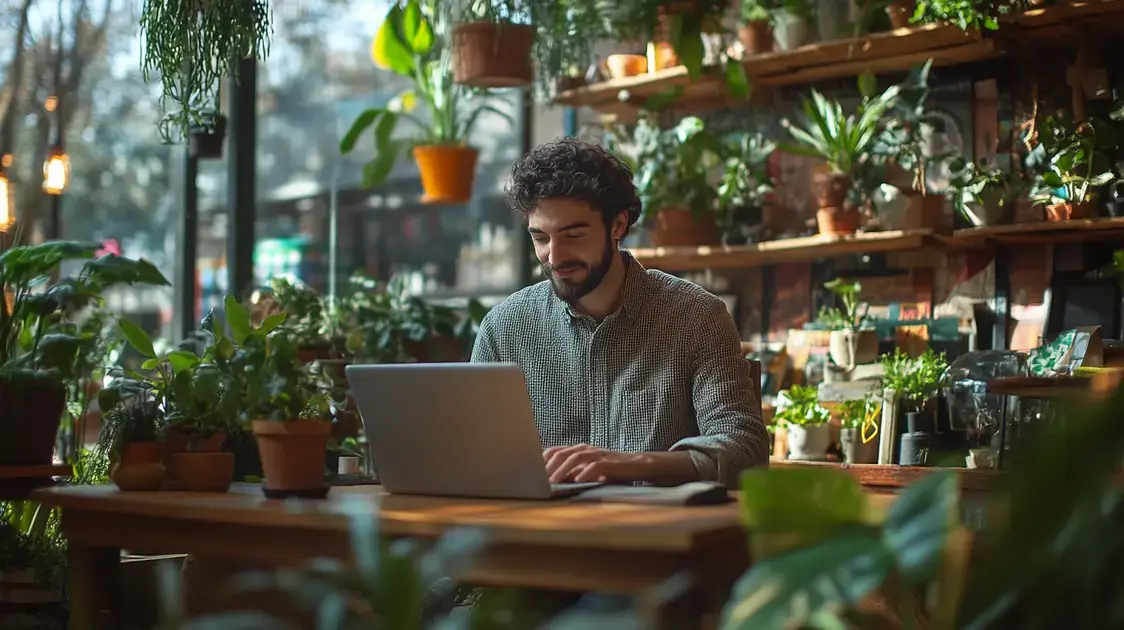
x=584, y=463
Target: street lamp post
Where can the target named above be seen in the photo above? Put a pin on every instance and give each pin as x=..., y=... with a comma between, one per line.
x=56, y=171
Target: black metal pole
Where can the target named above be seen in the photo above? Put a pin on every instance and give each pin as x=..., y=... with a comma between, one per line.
x=241, y=174
x=185, y=318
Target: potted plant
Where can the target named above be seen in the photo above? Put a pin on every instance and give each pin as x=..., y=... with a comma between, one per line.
x=901, y=148
x=447, y=164
x=283, y=402
x=985, y=196
x=916, y=382
x=306, y=320
x=490, y=50
x=805, y=421
x=1069, y=165
x=745, y=184
x=844, y=143
x=792, y=24
x=40, y=343
x=673, y=181
x=199, y=401
x=194, y=45
x=128, y=438
x=851, y=343
x=755, y=32
x=859, y=419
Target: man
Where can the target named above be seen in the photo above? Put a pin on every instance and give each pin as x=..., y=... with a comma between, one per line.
x=634, y=375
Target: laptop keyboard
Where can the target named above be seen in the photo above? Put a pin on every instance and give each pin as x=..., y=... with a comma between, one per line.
x=573, y=488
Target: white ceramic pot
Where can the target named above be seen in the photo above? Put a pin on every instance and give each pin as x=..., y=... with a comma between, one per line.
x=849, y=348
x=809, y=443
x=833, y=19
x=791, y=31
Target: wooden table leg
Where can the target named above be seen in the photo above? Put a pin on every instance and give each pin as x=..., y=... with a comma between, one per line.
x=93, y=577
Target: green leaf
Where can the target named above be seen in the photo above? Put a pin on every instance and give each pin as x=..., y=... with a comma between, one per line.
x=919, y=524
x=378, y=170
x=238, y=318
x=182, y=360
x=389, y=51
x=416, y=30
x=137, y=338
x=271, y=323
x=150, y=364
x=59, y=351
x=868, y=84
x=796, y=507
x=787, y=591
x=737, y=83
x=362, y=122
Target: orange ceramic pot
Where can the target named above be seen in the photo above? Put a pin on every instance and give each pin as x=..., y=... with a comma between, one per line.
x=292, y=456
x=447, y=172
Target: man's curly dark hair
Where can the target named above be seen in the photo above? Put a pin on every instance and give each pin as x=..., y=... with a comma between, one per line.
x=570, y=168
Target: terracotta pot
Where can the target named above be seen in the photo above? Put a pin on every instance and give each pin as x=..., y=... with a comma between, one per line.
x=900, y=12
x=756, y=37
x=292, y=456
x=492, y=55
x=830, y=190
x=178, y=442
x=621, y=66
x=854, y=450
x=30, y=413
x=1069, y=211
x=849, y=348
x=201, y=472
x=447, y=172
x=837, y=222
x=140, y=467
x=677, y=227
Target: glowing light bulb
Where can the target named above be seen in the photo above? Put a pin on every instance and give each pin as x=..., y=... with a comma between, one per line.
x=7, y=203
x=56, y=172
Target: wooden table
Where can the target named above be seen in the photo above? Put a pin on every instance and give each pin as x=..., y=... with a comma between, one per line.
x=554, y=545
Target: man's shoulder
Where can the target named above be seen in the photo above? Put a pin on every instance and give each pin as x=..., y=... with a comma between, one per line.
x=528, y=301
x=681, y=295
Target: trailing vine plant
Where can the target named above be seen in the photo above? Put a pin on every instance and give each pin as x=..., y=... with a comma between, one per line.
x=193, y=44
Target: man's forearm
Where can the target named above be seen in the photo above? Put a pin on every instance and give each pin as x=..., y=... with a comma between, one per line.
x=670, y=468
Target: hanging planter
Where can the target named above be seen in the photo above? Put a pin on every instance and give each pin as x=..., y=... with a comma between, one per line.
x=405, y=45
x=492, y=54
x=193, y=46
x=206, y=138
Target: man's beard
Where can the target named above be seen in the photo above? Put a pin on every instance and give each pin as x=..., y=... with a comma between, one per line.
x=573, y=291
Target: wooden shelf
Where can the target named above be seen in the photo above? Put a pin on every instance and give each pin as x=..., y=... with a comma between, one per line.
x=801, y=249
x=892, y=51
x=36, y=472
x=1077, y=230
x=878, y=476
x=1041, y=386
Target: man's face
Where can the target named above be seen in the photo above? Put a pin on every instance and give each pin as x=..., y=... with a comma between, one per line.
x=573, y=245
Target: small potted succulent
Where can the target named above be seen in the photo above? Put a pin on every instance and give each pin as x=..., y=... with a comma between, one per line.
x=851, y=342
x=859, y=419
x=806, y=423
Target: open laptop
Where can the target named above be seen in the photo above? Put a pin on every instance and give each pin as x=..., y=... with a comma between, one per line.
x=453, y=429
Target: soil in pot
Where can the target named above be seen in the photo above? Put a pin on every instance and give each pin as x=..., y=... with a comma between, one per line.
x=838, y=221
x=849, y=348
x=29, y=421
x=854, y=450
x=809, y=443
x=756, y=37
x=492, y=55
x=201, y=472
x=900, y=12
x=1069, y=211
x=292, y=457
x=678, y=227
x=140, y=467
x=447, y=172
